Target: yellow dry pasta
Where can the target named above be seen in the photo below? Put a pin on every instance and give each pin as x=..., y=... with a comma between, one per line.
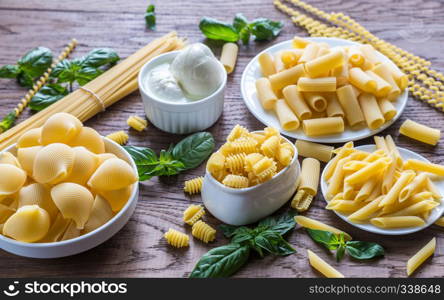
x=265, y=93
x=314, y=224
x=289, y=76
x=349, y=103
x=270, y=146
x=137, y=123
x=324, y=63
x=383, y=88
x=176, y=238
x=334, y=108
x=420, y=132
x=310, y=173
x=421, y=166
x=235, y=181
x=321, y=84
x=384, y=72
x=397, y=222
x=310, y=52
x=316, y=101
x=237, y=132
x=193, y=186
x=314, y=150
x=203, y=232
x=229, y=56
x=387, y=109
x=299, y=43
x=266, y=64
x=120, y=137
x=323, y=267
x=421, y=256
x=362, y=81
x=193, y=214
x=323, y=126
x=287, y=118
x=372, y=113
x=296, y=102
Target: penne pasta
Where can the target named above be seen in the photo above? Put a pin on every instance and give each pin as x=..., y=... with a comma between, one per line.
x=323, y=126
x=314, y=150
x=397, y=222
x=413, y=186
x=340, y=153
x=381, y=144
x=393, y=193
x=420, y=132
x=421, y=256
x=367, y=172
x=323, y=267
x=321, y=84
x=421, y=166
x=415, y=209
x=314, y=224
x=366, y=189
x=296, y=102
x=366, y=212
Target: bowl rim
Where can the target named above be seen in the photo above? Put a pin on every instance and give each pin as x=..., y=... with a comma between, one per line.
x=114, y=219
x=251, y=188
x=145, y=68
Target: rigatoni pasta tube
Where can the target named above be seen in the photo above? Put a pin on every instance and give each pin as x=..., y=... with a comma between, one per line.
x=401, y=79
x=265, y=93
x=341, y=74
x=299, y=43
x=311, y=169
x=316, y=101
x=286, y=117
x=278, y=63
x=229, y=56
x=420, y=257
x=422, y=166
x=323, y=126
x=355, y=56
x=388, y=110
x=369, y=53
x=266, y=64
x=290, y=57
x=334, y=109
x=286, y=77
x=324, y=63
x=397, y=222
x=392, y=195
x=321, y=84
x=420, y=132
x=296, y=101
x=350, y=105
x=384, y=72
x=314, y=150
x=362, y=81
x=323, y=267
x=310, y=52
x=370, y=108
x=315, y=224
x=383, y=88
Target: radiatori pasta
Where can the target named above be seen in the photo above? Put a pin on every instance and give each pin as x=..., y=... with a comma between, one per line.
x=63, y=182
x=176, y=238
x=248, y=159
x=380, y=188
x=316, y=81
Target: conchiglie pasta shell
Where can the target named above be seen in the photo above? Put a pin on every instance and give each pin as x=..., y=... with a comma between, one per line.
x=29, y=224
x=101, y=213
x=53, y=163
x=57, y=229
x=38, y=194
x=10, y=159
x=5, y=213
x=26, y=157
x=104, y=156
x=12, y=179
x=117, y=198
x=71, y=231
x=60, y=128
x=85, y=163
x=113, y=174
x=30, y=138
x=74, y=202
x=90, y=139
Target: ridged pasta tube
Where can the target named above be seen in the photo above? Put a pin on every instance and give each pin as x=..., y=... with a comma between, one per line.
x=176, y=238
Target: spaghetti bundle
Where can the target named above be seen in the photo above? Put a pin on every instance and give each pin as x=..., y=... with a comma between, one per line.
x=101, y=92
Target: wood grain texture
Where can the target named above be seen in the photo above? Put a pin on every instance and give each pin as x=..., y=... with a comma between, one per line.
x=139, y=250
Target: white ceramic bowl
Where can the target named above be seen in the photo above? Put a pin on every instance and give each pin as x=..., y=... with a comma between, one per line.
x=248, y=205
x=252, y=73
x=83, y=242
x=434, y=215
x=180, y=118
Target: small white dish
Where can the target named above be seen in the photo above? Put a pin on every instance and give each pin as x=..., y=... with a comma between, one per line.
x=248, y=205
x=434, y=215
x=248, y=89
x=86, y=241
x=180, y=118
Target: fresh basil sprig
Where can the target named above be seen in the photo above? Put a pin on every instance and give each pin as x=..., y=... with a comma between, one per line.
x=150, y=17
x=7, y=121
x=265, y=238
x=262, y=29
x=356, y=249
x=31, y=66
x=187, y=154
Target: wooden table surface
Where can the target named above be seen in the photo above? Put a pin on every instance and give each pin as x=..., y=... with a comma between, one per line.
x=139, y=250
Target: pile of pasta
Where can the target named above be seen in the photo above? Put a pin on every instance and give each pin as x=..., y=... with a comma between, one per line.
x=62, y=183
x=380, y=187
x=250, y=158
x=325, y=87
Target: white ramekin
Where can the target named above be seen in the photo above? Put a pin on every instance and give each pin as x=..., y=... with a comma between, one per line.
x=246, y=206
x=86, y=241
x=180, y=118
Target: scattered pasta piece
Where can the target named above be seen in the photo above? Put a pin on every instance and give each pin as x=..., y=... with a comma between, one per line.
x=314, y=224
x=420, y=132
x=203, y=232
x=176, y=238
x=193, y=186
x=323, y=267
x=193, y=213
x=314, y=150
x=440, y=222
x=418, y=259
x=308, y=185
x=137, y=123
x=120, y=137
x=229, y=56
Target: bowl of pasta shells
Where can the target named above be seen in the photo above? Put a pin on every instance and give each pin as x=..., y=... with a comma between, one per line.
x=251, y=176
x=64, y=189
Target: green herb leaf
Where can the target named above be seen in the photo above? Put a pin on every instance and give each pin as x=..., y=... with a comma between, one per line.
x=194, y=149
x=265, y=29
x=25, y=80
x=217, y=30
x=9, y=71
x=272, y=242
x=364, y=250
x=7, y=122
x=243, y=234
x=228, y=230
x=282, y=223
x=327, y=239
x=221, y=261
x=47, y=95
x=66, y=70
x=239, y=22
x=100, y=57
x=245, y=35
x=150, y=17
x=86, y=74
x=36, y=61
x=340, y=252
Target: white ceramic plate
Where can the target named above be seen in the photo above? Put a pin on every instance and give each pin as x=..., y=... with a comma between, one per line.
x=434, y=215
x=252, y=73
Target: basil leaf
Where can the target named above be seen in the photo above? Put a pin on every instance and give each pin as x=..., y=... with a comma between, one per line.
x=66, y=70
x=86, y=74
x=217, y=30
x=47, y=95
x=7, y=122
x=242, y=234
x=239, y=22
x=221, y=261
x=325, y=238
x=272, y=242
x=36, y=61
x=194, y=149
x=9, y=71
x=245, y=35
x=340, y=252
x=282, y=223
x=265, y=29
x=25, y=80
x=100, y=57
x=150, y=17
x=364, y=250
x=228, y=230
